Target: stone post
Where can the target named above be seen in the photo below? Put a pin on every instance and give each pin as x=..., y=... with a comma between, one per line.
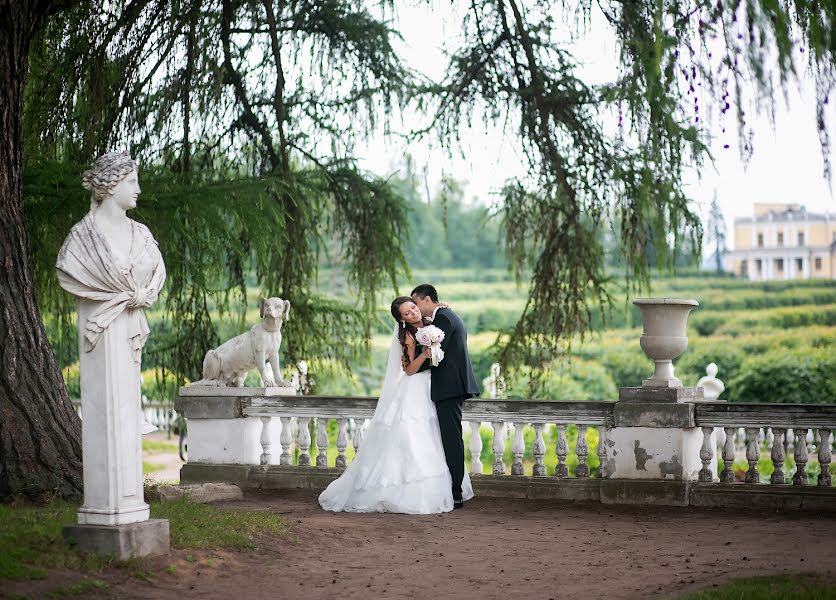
x=655, y=436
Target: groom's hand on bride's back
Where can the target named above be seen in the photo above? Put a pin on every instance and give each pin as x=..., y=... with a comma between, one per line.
x=428, y=319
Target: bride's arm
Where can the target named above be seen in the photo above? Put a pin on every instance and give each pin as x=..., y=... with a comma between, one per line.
x=414, y=364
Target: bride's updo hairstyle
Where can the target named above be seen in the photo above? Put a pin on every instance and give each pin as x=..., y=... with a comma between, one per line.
x=396, y=314
x=108, y=170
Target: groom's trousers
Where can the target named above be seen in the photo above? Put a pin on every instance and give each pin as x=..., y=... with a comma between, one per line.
x=450, y=423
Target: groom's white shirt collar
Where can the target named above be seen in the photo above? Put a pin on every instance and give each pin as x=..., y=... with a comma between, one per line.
x=432, y=318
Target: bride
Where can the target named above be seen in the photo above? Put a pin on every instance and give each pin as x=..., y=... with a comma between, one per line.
x=400, y=467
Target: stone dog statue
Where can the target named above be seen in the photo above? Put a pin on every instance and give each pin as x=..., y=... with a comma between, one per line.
x=229, y=363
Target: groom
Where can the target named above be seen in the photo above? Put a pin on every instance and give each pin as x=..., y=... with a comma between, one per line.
x=452, y=381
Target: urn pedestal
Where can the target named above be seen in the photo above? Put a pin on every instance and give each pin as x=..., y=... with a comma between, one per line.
x=655, y=434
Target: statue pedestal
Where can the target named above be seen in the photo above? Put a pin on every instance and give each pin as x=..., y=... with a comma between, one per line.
x=122, y=542
x=655, y=435
x=110, y=430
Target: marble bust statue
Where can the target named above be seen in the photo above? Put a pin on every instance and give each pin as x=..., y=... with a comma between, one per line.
x=113, y=267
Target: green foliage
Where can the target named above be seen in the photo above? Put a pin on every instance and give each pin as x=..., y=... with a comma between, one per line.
x=329, y=378
x=627, y=367
x=232, y=181
x=773, y=587
x=800, y=376
x=578, y=380
x=690, y=367
x=81, y=587
x=203, y=526
x=785, y=317
x=247, y=114
x=31, y=540
x=72, y=380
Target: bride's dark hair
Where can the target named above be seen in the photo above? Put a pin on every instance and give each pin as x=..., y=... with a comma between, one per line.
x=403, y=327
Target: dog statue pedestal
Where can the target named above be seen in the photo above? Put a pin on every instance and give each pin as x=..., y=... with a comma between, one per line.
x=219, y=435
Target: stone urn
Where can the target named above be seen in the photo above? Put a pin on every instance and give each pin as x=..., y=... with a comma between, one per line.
x=663, y=337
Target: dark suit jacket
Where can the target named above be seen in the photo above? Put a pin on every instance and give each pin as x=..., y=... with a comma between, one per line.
x=453, y=377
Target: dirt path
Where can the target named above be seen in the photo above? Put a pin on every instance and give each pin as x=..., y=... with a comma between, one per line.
x=491, y=549
x=164, y=455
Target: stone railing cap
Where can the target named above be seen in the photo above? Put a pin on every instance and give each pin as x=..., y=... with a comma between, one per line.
x=204, y=391
x=685, y=301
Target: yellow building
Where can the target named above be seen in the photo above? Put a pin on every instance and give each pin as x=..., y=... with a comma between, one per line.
x=783, y=241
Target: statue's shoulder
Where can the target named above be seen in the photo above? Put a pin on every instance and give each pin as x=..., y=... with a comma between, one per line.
x=82, y=232
x=143, y=229
x=84, y=224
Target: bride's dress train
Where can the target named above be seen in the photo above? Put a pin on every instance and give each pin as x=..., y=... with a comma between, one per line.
x=400, y=466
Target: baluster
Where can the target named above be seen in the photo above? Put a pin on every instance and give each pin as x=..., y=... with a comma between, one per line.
x=322, y=442
x=286, y=439
x=753, y=454
x=789, y=441
x=498, y=448
x=562, y=450
x=518, y=448
x=539, y=451
x=582, y=449
x=359, y=432
x=304, y=441
x=800, y=477
x=342, y=444
x=770, y=438
x=728, y=456
x=777, y=456
x=811, y=442
x=824, y=458
x=602, y=451
x=475, y=448
x=265, y=440
x=706, y=455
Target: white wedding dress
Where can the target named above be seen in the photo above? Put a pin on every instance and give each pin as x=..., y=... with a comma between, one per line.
x=400, y=466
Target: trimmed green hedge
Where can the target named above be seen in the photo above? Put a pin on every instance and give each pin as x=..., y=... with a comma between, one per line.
x=576, y=380
x=799, y=376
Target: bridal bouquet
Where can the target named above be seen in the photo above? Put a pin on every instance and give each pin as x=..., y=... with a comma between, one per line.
x=431, y=336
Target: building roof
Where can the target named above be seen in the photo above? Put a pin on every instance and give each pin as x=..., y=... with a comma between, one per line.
x=764, y=213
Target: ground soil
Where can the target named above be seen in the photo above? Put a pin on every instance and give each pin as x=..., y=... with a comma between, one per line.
x=493, y=548
x=168, y=459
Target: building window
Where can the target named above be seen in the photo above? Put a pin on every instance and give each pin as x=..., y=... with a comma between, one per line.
x=799, y=265
x=779, y=264
x=760, y=240
x=800, y=238
x=818, y=264
x=743, y=268
x=780, y=239
x=758, y=266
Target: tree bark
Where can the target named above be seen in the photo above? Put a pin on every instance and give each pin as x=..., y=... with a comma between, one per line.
x=40, y=433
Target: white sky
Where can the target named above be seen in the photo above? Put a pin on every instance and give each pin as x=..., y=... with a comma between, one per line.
x=786, y=166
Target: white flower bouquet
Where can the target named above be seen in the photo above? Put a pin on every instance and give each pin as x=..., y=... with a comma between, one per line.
x=431, y=337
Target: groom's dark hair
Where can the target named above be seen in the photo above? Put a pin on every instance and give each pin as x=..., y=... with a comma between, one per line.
x=424, y=290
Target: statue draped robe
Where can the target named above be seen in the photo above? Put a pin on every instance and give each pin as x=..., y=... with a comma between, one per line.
x=111, y=292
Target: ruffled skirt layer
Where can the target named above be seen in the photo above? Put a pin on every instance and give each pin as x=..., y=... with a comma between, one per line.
x=400, y=466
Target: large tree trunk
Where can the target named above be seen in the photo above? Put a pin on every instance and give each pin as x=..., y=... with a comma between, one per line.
x=40, y=434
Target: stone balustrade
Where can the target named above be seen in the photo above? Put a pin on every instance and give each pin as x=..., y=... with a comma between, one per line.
x=256, y=437
x=814, y=423
x=351, y=415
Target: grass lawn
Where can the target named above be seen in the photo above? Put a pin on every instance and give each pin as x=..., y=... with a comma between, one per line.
x=784, y=587
x=31, y=541
x=158, y=446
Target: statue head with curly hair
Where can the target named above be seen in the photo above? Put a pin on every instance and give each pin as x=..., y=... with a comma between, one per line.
x=108, y=172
